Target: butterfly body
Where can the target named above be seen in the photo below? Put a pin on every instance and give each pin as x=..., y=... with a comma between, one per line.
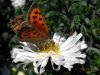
x=32, y=29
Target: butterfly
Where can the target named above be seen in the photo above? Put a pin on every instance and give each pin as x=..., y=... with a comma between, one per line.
x=33, y=28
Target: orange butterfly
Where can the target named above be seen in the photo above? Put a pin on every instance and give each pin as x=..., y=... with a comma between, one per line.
x=32, y=29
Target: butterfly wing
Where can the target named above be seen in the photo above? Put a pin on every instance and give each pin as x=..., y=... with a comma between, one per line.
x=16, y=23
x=34, y=28
x=37, y=30
x=32, y=35
x=36, y=19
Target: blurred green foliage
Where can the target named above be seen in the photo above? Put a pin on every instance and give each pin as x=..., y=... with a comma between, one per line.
x=62, y=16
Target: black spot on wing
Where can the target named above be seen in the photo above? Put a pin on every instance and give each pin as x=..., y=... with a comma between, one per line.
x=40, y=19
x=27, y=31
x=38, y=34
x=34, y=32
x=42, y=24
x=34, y=22
x=36, y=12
x=25, y=35
x=34, y=17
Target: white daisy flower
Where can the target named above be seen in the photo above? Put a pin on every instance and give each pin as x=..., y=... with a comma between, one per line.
x=60, y=51
x=18, y=3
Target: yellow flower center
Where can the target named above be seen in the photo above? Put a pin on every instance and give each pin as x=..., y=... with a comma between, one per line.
x=49, y=46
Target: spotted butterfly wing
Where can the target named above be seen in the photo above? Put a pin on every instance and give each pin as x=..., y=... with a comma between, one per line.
x=16, y=23
x=36, y=19
x=36, y=29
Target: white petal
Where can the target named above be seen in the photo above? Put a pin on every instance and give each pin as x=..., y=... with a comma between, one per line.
x=41, y=70
x=44, y=63
x=18, y=3
x=82, y=55
x=36, y=70
x=62, y=39
x=75, y=48
x=83, y=46
x=40, y=62
x=20, y=55
x=68, y=40
x=25, y=57
x=57, y=59
x=68, y=66
x=57, y=69
x=72, y=42
x=24, y=43
x=56, y=38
